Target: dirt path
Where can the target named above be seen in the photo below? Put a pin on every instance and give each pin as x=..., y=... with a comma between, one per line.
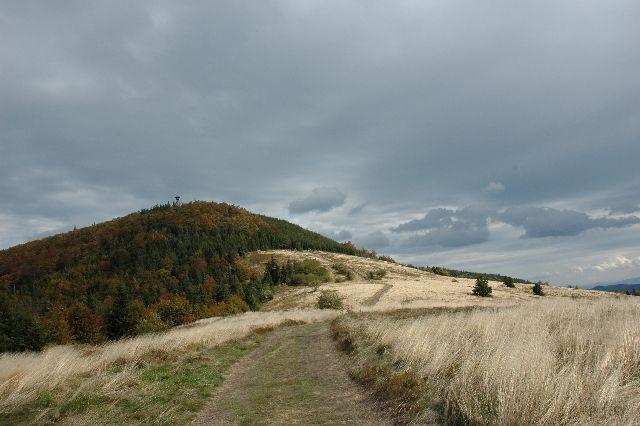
x=377, y=295
x=296, y=377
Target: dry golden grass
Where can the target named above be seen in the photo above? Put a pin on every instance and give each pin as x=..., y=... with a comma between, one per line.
x=549, y=361
x=401, y=288
x=24, y=376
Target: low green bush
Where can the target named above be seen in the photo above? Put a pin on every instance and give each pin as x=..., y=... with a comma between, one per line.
x=309, y=272
x=341, y=268
x=329, y=300
x=378, y=274
x=508, y=282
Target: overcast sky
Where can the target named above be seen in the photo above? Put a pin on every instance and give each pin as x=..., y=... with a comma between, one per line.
x=499, y=137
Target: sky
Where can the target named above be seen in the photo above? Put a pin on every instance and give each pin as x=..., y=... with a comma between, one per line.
x=489, y=136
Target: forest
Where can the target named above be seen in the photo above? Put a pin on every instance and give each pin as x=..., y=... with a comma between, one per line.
x=145, y=272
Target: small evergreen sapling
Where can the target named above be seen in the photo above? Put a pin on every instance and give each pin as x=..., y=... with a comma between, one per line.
x=508, y=281
x=537, y=289
x=482, y=287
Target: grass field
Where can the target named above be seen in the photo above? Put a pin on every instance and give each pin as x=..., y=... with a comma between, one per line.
x=559, y=361
x=118, y=377
x=401, y=288
x=434, y=352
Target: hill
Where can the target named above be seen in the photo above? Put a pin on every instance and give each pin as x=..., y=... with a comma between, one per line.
x=629, y=284
x=620, y=287
x=147, y=271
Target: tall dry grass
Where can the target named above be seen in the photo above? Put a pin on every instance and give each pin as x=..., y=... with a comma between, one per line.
x=24, y=376
x=547, y=362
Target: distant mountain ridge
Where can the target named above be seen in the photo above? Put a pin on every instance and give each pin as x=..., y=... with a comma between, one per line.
x=628, y=284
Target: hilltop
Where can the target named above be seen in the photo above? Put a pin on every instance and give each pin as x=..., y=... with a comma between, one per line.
x=146, y=271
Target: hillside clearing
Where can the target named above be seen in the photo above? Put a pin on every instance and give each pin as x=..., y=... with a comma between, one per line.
x=401, y=288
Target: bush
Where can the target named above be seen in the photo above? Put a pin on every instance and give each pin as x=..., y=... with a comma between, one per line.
x=378, y=274
x=508, y=282
x=441, y=271
x=482, y=287
x=341, y=268
x=537, y=289
x=329, y=300
x=309, y=272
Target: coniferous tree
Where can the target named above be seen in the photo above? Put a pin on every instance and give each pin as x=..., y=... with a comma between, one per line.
x=482, y=287
x=508, y=282
x=119, y=322
x=537, y=289
x=18, y=330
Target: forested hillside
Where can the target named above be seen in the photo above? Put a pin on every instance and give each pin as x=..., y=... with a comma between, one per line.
x=147, y=271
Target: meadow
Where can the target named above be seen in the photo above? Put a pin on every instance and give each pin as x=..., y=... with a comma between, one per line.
x=551, y=361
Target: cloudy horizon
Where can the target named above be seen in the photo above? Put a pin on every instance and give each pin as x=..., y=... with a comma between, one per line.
x=494, y=138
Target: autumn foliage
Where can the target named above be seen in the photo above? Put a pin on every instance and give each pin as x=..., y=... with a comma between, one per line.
x=144, y=272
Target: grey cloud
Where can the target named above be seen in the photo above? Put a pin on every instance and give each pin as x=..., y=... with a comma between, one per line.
x=541, y=222
x=625, y=207
x=320, y=200
x=373, y=241
x=447, y=228
x=436, y=218
x=110, y=108
x=456, y=235
x=357, y=209
x=342, y=235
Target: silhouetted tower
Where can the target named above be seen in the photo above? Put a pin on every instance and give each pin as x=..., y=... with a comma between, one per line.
x=177, y=203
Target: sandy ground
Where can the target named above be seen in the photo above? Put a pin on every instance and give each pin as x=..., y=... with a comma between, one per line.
x=401, y=288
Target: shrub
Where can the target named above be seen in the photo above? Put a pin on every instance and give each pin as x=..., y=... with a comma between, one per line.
x=440, y=271
x=342, y=269
x=378, y=274
x=482, y=287
x=309, y=272
x=537, y=289
x=508, y=281
x=329, y=300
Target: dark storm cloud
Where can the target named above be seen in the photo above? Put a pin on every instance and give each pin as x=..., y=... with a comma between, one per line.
x=407, y=107
x=547, y=222
x=320, y=200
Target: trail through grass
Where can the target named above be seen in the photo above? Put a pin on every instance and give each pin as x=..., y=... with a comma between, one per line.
x=296, y=377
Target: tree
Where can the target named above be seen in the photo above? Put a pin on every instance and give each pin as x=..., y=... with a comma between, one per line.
x=274, y=271
x=537, y=289
x=119, y=322
x=508, y=281
x=19, y=331
x=482, y=287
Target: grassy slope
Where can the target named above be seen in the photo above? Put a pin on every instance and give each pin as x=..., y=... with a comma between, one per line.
x=160, y=388
x=570, y=362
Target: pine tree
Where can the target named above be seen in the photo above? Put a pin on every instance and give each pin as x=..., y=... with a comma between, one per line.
x=508, y=281
x=537, y=289
x=118, y=321
x=274, y=271
x=482, y=287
